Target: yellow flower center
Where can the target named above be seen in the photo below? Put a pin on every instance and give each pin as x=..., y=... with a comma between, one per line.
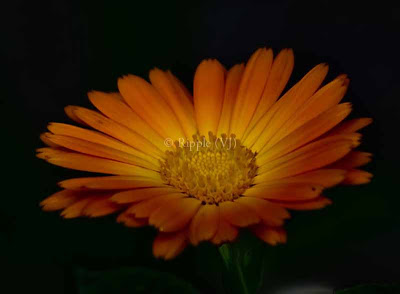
x=213, y=170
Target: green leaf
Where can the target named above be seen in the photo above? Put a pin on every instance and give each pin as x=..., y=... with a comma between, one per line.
x=244, y=263
x=131, y=280
x=371, y=289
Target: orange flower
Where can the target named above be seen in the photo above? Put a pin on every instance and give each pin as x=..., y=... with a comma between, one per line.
x=201, y=168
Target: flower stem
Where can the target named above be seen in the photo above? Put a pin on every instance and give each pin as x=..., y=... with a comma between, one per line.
x=243, y=267
x=233, y=267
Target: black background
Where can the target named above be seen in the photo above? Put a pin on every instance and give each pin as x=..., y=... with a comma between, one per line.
x=53, y=52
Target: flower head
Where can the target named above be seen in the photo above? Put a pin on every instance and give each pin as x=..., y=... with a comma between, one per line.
x=200, y=168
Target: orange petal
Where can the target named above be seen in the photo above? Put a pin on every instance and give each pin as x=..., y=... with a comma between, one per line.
x=147, y=102
x=279, y=75
x=147, y=207
x=270, y=213
x=285, y=108
x=204, y=224
x=323, y=177
x=316, y=203
x=70, y=113
x=250, y=90
x=184, y=92
x=270, y=235
x=60, y=200
x=97, y=138
x=284, y=191
x=225, y=232
x=101, y=207
x=176, y=99
x=208, y=89
x=357, y=177
x=92, y=164
x=45, y=140
x=238, y=214
x=352, y=160
x=111, y=183
x=131, y=221
x=231, y=88
x=169, y=245
x=312, y=156
x=77, y=209
x=142, y=194
x=175, y=215
x=306, y=133
x=324, y=99
x=116, y=130
x=113, y=106
x=351, y=126
x=99, y=150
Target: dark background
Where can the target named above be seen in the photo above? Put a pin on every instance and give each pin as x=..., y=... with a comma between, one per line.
x=53, y=52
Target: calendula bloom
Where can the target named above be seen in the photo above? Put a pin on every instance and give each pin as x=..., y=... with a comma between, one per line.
x=200, y=168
